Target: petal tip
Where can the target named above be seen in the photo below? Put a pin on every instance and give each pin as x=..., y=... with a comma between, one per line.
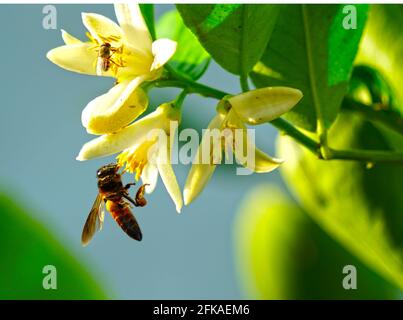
x=50, y=55
x=298, y=94
x=80, y=157
x=149, y=190
x=187, y=196
x=278, y=161
x=163, y=49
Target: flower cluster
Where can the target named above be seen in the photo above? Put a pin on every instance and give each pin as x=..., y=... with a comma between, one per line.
x=127, y=53
x=233, y=113
x=132, y=58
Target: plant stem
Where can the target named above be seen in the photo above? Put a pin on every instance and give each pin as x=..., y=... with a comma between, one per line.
x=244, y=83
x=192, y=87
x=370, y=156
x=178, y=102
x=287, y=128
x=317, y=103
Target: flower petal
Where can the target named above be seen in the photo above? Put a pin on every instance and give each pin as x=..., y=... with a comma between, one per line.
x=150, y=176
x=197, y=179
x=171, y=184
x=134, y=27
x=163, y=50
x=200, y=173
x=131, y=135
x=260, y=161
x=69, y=39
x=265, y=163
x=115, y=109
x=134, y=65
x=265, y=104
x=102, y=28
x=79, y=58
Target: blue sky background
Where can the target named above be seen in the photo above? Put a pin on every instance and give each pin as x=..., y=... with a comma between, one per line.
x=186, y=256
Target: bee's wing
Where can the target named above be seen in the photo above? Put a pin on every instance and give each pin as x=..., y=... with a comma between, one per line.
x=94, y=221
x=99, y=67
x=101, y=216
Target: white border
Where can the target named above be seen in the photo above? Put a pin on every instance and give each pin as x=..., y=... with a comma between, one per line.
x=198, y=1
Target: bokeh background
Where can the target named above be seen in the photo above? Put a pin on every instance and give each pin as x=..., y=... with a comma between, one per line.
x=47, y=194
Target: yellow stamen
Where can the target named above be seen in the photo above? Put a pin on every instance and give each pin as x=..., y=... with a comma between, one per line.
x=134, y=160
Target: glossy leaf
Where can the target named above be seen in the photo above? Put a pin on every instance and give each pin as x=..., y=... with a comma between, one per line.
x=190, y=59
x=358, y=206
x=381, y=49
x=282, y=254
x=304, y=53
x=234, y=34
x=147, y=10
x=26, y=248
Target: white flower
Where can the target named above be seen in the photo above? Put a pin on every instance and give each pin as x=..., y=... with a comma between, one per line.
x=141, y=152
x=132, y=58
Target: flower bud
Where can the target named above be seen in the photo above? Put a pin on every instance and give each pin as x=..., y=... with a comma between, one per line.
x=265, y=104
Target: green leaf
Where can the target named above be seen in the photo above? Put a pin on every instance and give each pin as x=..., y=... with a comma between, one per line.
x=304, y=53
x=368, y=86
x=190, y=58
x=381, y=49
x=147, y=10
x=360, y=207
x=282, y=254
x=234, y=34
x=341, y=61
x=26, y=248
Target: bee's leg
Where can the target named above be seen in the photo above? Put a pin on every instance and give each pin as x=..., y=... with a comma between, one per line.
x=118, y=50
x=140, y=200
x=113, y=52
x=127, y=187
x=127, y=197
x=118, y=64
x=114, y=67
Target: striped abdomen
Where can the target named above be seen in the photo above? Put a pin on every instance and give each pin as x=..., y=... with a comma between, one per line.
x=120, y=211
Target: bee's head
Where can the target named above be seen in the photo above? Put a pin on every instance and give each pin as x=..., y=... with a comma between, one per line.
x=107, y=170
x=106, y=46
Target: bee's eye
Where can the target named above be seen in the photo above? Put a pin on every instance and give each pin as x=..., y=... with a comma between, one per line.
x=101, y=172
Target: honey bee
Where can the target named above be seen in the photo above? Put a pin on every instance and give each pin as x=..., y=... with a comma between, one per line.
x=105, y=60
x=114, y=196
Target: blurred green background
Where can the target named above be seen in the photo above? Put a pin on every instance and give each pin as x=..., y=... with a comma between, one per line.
x=244, y=237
